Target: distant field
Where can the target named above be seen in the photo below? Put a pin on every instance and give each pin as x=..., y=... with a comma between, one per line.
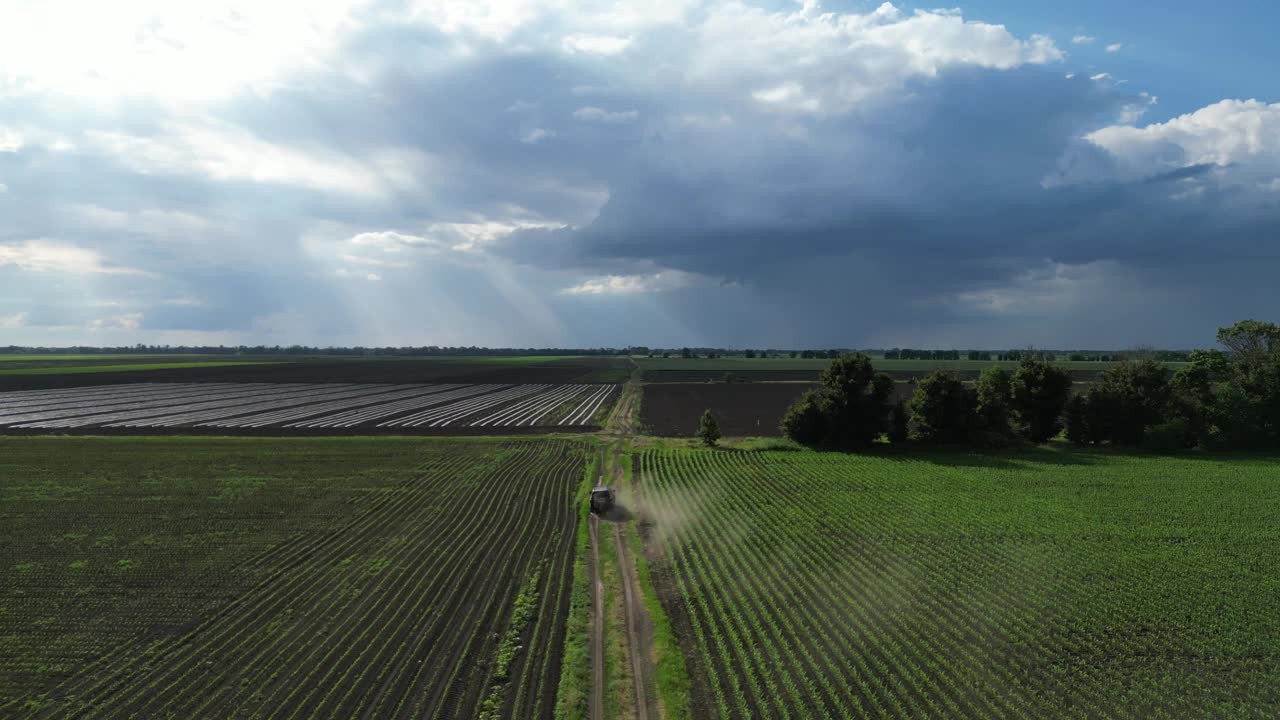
x=729, y=363
x=315, y=369
x=132, y=367
x=1041, y=584
x=202, y=577
x=24, y=357
x=771, y=364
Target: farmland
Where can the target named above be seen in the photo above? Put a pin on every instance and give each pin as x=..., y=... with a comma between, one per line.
x=19, y=372
x=683, y=370
x=1044, y=583
x=300, y=408
x=672, y=410
x=238, y=577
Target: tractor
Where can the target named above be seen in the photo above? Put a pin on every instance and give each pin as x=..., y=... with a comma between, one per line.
x=601, y=499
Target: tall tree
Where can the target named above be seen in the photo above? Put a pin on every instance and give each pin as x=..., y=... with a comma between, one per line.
x=848, y=410
x=1136, y=392
x=995, y=406
x=1040, y=393
x=942, y=410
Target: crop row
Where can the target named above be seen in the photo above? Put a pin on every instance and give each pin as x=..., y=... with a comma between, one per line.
x=395, y=613
x=829, y=586
x=312, y=406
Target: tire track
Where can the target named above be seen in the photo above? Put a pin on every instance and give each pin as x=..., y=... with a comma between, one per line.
x=597, y=623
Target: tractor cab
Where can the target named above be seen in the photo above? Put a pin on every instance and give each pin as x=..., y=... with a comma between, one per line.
x=601, y=499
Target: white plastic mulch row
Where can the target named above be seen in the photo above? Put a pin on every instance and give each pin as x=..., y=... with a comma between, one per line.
x=279, y=416
x=133, y=393
x=204, y=401
x=146, y=406
x=303, y=396
x=587, y=410
x=301, y=405
x=33, y=397
x=360, y=416
x=532, y=409
x=441, y=416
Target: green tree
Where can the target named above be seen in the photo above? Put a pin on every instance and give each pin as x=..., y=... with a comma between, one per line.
x=709, y=428
x=995, y=406
x=1250, y=340
x=849, y=410
x=942, y=410
x=1040, y=393
x=1136, y=393
x=1247, y=406
x=806, y=420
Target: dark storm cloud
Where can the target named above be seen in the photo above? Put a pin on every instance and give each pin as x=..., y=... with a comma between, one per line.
x=963, y=200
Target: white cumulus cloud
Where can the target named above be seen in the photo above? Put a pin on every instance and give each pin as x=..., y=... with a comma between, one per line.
x=126, y=321
x=595, y=114
x=632, y=284
x=42, y=255
x=1243, y=133
x=597, y=44
x=537, y=135
x=1083, y=40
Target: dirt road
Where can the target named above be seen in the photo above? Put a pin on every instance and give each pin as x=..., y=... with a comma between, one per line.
x=637, y=627
x=621, y=427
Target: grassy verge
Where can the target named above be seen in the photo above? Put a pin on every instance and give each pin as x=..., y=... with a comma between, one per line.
x=671, y=673
x=574, y=692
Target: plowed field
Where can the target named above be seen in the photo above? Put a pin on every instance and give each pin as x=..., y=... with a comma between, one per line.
x=197, y=578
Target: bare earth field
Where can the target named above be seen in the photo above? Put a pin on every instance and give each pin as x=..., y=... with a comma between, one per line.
x=744, y=409
x=19, y=374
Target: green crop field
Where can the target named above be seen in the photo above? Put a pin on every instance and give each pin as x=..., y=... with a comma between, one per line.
x=347, y=577
x=7, y=369
x=1039, y=584
x=60, y=357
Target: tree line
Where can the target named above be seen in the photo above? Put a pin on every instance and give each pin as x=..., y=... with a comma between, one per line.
x=1220, y=399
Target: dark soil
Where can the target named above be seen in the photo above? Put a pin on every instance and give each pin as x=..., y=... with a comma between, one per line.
x=744, y=409
x=462, y=370
x=809, y=376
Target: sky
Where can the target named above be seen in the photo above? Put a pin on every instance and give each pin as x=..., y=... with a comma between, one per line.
x=563, y=173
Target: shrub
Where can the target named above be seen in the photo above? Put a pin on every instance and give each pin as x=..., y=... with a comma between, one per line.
x=709, y=428
x=898, y=423
x=1077, y=432
x=806, y=421
x=1166, y=437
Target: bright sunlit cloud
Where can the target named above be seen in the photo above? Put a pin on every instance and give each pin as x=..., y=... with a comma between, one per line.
x=730, y=171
